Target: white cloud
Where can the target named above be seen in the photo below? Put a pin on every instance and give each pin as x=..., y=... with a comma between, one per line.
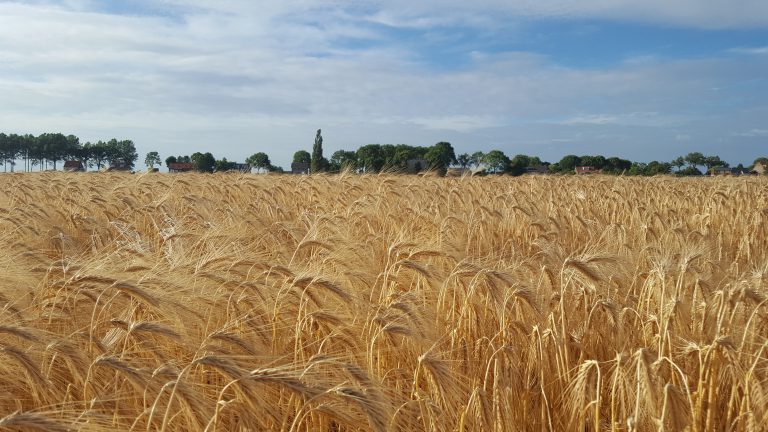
x=239, y=74
x=751, y=51
x=753, y=133
x=690, y=13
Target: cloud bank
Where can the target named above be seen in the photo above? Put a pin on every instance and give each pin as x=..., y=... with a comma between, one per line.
x=236, y=77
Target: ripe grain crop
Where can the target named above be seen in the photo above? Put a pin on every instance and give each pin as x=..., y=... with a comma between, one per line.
x=385, y=303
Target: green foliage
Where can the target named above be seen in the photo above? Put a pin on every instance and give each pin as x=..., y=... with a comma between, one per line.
x=695, y=159
x=518, y=164
x=477, y=158
x=496, y=161
x=302, y=156
x=689, y=171
x=170, y=159
x=342, y=159
x=259, y=161
x=463, y=160
x=203, y=162
x=152, y=159
x=317, y=162
x=569, y=163
x=370, y=158
x=440, y=156
x=650, y=169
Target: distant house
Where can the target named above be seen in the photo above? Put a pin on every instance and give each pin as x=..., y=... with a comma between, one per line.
x=177, y=167
x=416, y=165
x=540, y=169
x=118, y=165
x=719, y=171
x=760, y=168
x=299, y=168
x=73, y=166
x=587, y=170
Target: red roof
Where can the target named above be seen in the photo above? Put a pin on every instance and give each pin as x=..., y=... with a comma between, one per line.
x=586, y=169
x=179, y=166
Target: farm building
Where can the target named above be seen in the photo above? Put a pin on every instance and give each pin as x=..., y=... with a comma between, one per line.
x=179, y=167
x=299, y=168
x=587, y=170
x=73, y=166
x=716, y=171
x=118, y=165
x=540, y=169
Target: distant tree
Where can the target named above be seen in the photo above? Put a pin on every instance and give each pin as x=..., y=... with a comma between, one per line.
x=302, y=156
x=169, y=160
x=518, y=164
x=223, y=165
x=714, y=161
x=569, y=163
x=343, y=159
x=477, y=158
x=275, y=169
x=496, y=161
x=203, y=162
x=152, y=159
x=656, y=168
x=689, y=171
x=259, y=161
x=8, y=152
x=598, y=162
x=440, y=156
x=123, y=151
x=464, y=160
x=51, y=147
x=73, y=149
x=695, y=159
x=678, y=162
x=614, y=165
x=317, y=160
x=370, y=158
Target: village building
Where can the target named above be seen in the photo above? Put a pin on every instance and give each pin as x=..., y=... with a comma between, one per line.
x=299, y=168
x=73, y=166
x=587, y=170
x=719, y=171
x=539, y=169
x=178, y=167
x=118, y=165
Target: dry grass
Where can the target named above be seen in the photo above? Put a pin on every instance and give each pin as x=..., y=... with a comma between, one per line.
x=238, y=302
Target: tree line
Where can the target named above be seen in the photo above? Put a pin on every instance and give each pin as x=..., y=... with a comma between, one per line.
x=46, y=150
x=374, y=158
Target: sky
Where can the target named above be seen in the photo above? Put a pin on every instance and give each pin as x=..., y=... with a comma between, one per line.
x=642, y=80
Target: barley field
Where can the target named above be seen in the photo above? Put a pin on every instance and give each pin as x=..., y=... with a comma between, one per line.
x=384, y=303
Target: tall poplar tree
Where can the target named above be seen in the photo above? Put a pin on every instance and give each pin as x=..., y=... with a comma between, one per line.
x=316, y=164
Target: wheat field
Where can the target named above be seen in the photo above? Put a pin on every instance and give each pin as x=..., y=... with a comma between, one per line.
x=386, y=303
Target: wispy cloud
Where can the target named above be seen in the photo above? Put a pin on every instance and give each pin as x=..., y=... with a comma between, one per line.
x=260, y=76
x=751, y=51
x=753, y=133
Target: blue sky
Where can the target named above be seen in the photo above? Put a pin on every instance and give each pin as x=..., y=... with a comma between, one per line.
x=642, y=80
